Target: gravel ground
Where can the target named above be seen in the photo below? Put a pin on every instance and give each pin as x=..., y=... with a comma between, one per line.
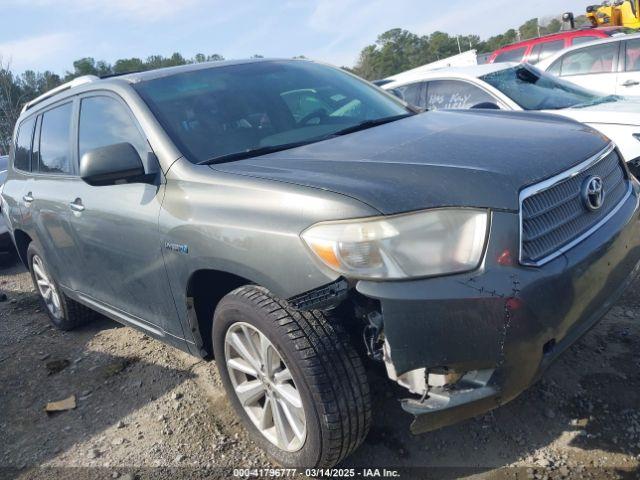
x=146, y=410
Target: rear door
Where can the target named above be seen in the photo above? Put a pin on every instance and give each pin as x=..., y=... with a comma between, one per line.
x=594, y=67
x=629, y=75
x=45, y=199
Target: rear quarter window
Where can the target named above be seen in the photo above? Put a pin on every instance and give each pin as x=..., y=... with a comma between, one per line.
x=22, y=151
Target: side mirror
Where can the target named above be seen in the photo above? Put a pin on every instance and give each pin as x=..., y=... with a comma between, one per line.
x=118, y=163
x=486, y=106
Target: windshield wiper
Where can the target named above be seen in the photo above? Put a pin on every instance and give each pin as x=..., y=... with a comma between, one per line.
x=368, y=124
x=253, y=152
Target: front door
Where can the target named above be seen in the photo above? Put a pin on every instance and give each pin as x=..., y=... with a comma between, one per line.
x=116, y=226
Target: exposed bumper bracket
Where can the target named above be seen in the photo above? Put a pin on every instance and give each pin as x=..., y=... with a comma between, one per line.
x=471, y=395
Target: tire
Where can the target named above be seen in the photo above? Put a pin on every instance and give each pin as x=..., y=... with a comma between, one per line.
x=326, y=372
x=65, y=314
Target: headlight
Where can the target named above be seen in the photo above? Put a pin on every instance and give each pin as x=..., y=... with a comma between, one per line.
x=433, y=242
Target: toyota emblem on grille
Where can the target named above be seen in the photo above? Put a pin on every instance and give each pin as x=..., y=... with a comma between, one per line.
x=593, y=193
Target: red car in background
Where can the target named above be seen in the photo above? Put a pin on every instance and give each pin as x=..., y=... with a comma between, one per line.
x=537, y=49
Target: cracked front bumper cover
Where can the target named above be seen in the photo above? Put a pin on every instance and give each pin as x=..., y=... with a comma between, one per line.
x=509, y=319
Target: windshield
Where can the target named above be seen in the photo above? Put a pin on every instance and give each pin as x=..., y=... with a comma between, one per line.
x=220, y=111
x=533, y=89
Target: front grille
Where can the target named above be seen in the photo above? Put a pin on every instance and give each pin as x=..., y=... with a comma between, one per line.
x=554, y=217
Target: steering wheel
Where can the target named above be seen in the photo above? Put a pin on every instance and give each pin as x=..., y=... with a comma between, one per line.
x=319, y=114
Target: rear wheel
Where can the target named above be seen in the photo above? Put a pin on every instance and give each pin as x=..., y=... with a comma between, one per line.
x=63, y=312
x=292, y=377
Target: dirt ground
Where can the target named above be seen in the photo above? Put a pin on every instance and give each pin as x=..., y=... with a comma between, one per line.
x=146, y=410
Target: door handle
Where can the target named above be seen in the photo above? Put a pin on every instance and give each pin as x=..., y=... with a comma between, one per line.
x=28, y=198
x=630, y=83
x=76, y=205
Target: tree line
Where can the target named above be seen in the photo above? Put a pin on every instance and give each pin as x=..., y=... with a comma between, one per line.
x=17, y=89
x=398, y=50
x=394, y=51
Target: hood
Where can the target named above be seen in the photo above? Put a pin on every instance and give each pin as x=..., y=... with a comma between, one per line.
x=435, y=159
x=623, y=112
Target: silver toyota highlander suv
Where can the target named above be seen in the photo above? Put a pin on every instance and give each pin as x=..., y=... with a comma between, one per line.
x=293, y=221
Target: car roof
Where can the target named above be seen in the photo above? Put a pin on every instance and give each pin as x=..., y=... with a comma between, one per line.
x=146, y=75
x=579, y=32
x=474, y=71
x=618, y=38
x=70, y=88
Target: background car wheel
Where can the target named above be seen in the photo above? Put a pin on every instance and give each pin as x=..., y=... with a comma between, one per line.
x=293, y=378
x=63, y=312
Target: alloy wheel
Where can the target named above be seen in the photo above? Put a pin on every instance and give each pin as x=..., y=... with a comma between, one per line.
x=264, y=386
x=46, y=287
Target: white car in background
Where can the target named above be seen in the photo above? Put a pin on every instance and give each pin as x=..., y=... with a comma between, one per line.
x=610, y=66
x=522, y=87
x=7, y=253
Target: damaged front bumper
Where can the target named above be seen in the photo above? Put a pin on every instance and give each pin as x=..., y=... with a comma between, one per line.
x=501, y=326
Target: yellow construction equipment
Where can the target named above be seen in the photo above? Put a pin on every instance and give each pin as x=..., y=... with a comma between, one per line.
x=618, y=13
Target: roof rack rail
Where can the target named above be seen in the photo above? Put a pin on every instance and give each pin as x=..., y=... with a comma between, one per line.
x=120, y=74
x=60, y=88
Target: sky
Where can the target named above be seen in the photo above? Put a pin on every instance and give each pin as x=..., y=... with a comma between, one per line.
x=50, y=34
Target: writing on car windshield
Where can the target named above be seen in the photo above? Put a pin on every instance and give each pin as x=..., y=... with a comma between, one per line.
x=220, y=111
x=533, y=89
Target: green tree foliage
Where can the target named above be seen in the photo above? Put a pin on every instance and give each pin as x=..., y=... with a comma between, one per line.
x=397, y=50
x=16, y=90
x=394, y=51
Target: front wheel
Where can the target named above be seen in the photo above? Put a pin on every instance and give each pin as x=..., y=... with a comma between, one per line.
x=292, y=377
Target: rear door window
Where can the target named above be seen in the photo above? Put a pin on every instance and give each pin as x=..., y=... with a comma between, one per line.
x=549, y=48
x=590, y=60
x=514, y=55
x=22, y=152
x=454, y=95
x=632, y=56
x=55, y=131
x=534, y=56
x=583, y=39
